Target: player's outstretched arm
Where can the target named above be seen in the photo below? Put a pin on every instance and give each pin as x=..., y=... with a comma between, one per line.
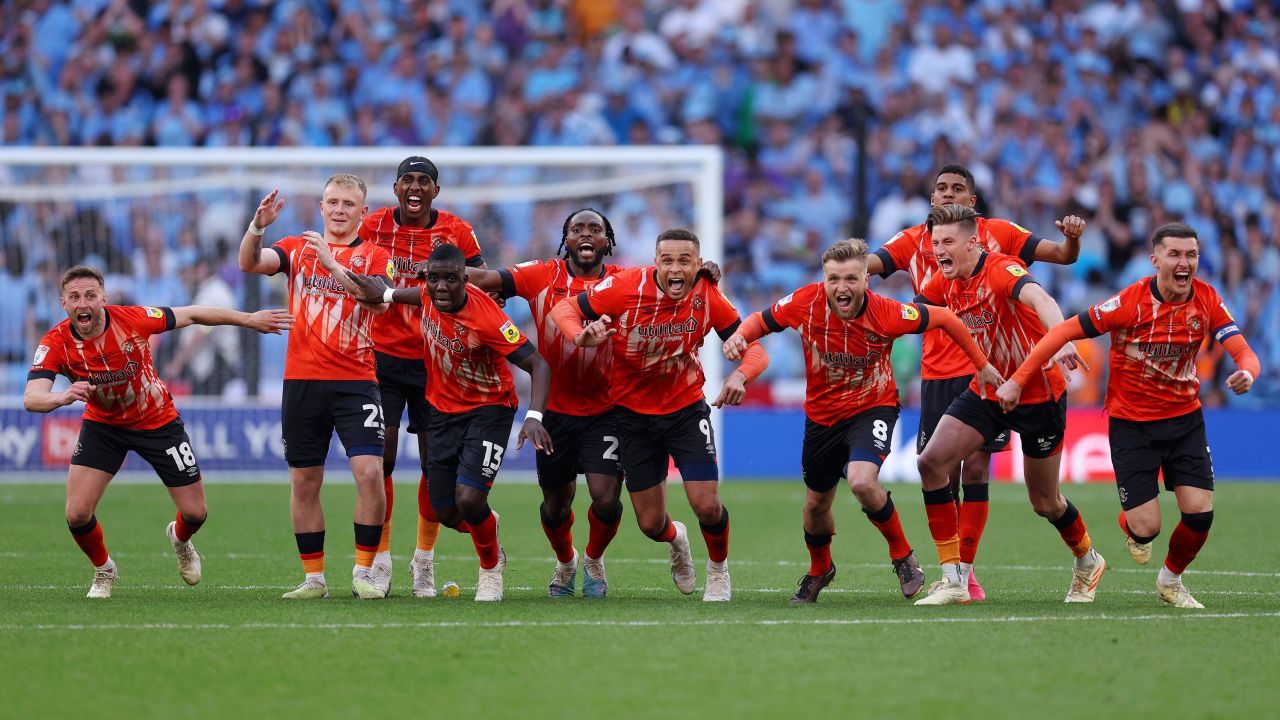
x=754, y=362
x=539, y=389
x=1067, y=251
x=1040, y=356
x=252, y=259
x=751, y=330
x=273, y=321
x=875, y=266
x=37, y=398
x=487, y=280
x=1034, y=297
x=370, y=289
x=568, y=317
x=941, y=318
x=1246, y=361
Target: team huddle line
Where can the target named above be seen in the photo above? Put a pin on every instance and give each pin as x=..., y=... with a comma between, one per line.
x=396, y=311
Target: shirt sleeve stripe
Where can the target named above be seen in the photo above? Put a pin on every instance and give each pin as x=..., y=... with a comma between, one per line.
x=890, y=267
x=728, y=331
x=41, y=375
x=284, y=259
x=771, y=322
x=508, y=289
x=585, y=306
x=518, y=355
x=1022, y=282
x=924, y=318
x=1028, y=254
x=170, y=320
x=1086, y=322
x=475, y=261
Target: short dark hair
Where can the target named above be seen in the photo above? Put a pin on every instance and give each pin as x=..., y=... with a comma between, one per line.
x=680, y=233
x=445, y=253
x=953, y=214
x=960, y=170
x=1175, y=229
x=78, y=272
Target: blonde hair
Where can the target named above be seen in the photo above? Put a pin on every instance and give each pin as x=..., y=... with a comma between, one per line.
x=954, y=214
x=850, y=249
x=348, y=180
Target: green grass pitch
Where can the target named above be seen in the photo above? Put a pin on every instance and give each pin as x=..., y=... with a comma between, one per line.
x=230, y=647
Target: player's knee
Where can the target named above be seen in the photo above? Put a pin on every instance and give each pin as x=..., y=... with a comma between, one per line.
x=607, y=508
x=555, y=510
x=471, y=504
x=974, y=473
x=448, y=517
x=816, y=504
x=388, y=467
x=1048, y=507
x=863, y=483
x=78, y=516
x=708, y=513
x=652, y=526
x=931, y=464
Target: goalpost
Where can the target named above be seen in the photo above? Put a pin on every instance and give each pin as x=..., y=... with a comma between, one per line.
x=116, y=206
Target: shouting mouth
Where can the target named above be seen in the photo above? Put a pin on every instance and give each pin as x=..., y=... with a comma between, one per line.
x=413, y=203
x=844, y=303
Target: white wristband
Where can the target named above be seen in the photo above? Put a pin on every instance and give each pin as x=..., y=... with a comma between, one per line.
x=533, y=415
x=254, y=229
x=1250, y=376
x=386, y=294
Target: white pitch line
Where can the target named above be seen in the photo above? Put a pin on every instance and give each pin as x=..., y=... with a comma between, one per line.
x=532, y=559
x=516, y=624
x=655, y=589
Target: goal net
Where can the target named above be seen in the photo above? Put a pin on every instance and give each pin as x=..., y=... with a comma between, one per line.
x=164, y=226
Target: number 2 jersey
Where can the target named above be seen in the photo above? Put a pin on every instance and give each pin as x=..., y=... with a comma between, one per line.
x=579, y=376
x=987, y=303
x=330, y=339
x=1154, y=345
x=467, y=353
x=127, y=391
x=912, y=250
x=655, y=368
x=847, y=362
x=395, y=332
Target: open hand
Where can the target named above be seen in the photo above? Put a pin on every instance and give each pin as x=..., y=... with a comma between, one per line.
x=268, y=210
x=270, y=321
x=734, y=390
x=536, y=434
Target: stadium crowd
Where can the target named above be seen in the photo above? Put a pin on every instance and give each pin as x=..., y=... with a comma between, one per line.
x=834, y=116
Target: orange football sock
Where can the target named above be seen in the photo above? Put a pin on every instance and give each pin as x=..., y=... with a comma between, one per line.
x=89, y=538
x=1073, y=531
x=940, y=508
